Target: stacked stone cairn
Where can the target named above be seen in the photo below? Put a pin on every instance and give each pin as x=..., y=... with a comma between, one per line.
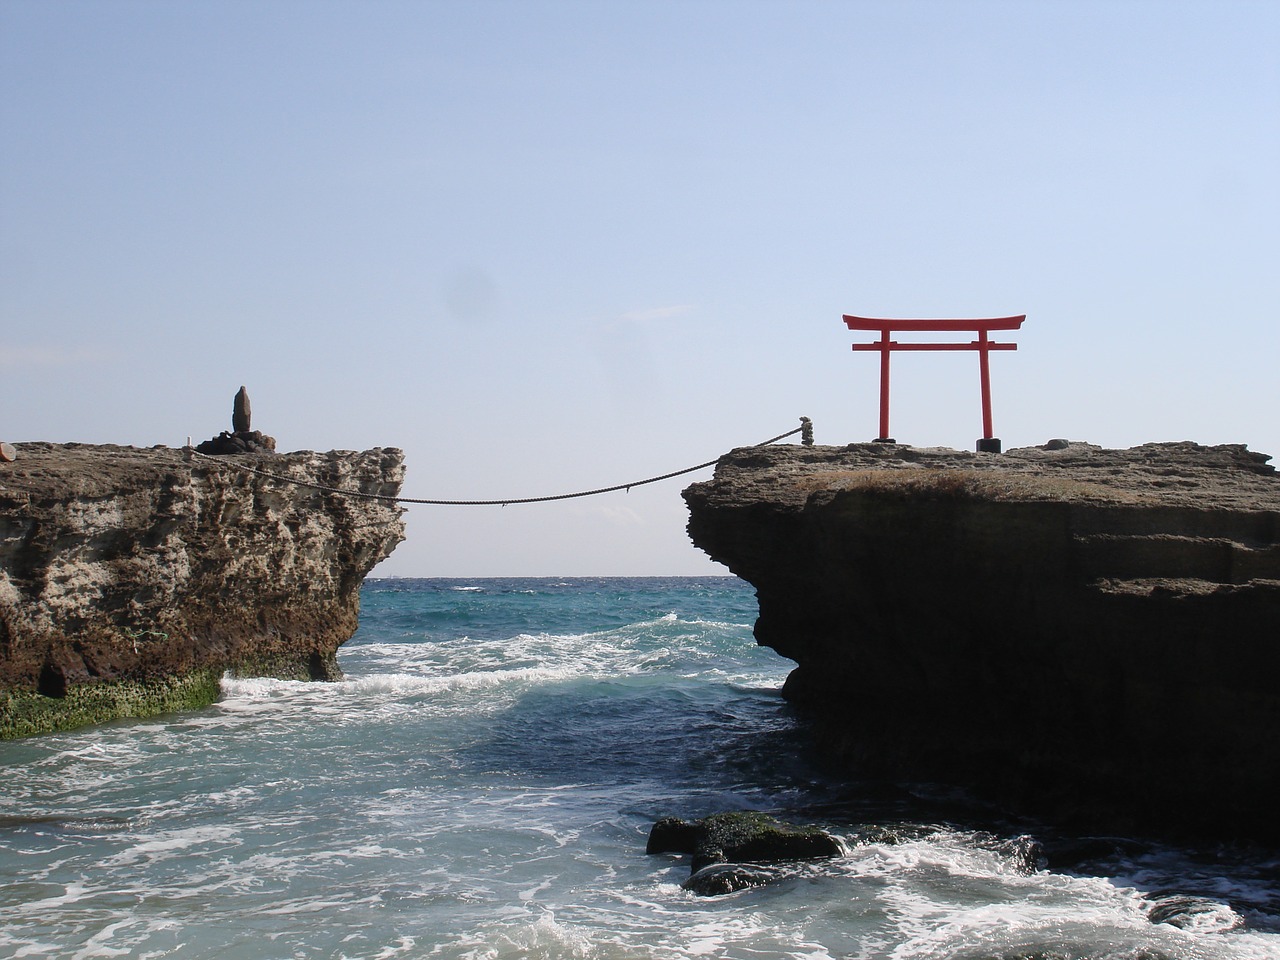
x=241, y=439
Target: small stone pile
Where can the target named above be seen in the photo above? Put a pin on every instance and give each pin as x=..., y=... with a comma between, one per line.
x=240, y=439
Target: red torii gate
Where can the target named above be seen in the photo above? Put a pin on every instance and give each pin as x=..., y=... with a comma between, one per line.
x=983, y=345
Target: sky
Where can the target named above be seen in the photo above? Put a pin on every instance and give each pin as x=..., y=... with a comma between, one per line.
x=545, y=247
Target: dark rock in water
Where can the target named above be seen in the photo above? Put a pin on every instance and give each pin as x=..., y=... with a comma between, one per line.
x=1071, y=853
x=672, y=835
x=241, y=412
x=1025, y=853
x=735, y=839
x=891, y=836
x=1077, y=634
x=1194, y=913
x=720, y=878
x=743, y=837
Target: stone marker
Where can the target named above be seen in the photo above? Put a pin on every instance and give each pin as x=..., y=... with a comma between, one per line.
x=7, y=453
x=241, y=439
x=241, y=413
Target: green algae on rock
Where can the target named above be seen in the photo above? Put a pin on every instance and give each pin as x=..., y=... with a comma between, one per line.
x=25, y=713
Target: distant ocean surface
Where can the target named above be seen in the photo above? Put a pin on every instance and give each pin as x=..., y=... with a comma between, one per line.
x=482, y=785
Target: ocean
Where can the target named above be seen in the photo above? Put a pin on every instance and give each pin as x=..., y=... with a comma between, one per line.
x=482, y=786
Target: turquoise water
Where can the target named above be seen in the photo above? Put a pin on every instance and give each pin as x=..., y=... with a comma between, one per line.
x=482, y=784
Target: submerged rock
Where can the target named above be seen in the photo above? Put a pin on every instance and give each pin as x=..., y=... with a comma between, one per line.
x=1194, y=913
x=720, y=878
x=720, y=844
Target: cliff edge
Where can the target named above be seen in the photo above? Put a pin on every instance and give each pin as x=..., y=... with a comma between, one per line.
x=1088, y=634
x=131, y=580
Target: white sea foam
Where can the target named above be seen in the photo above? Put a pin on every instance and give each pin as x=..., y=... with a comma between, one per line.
x=256, y=691
x=542, y=939
x=402, y=947
x=171, y=843
x=952, y=899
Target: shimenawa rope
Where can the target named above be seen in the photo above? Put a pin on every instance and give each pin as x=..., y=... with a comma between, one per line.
x=805, y=429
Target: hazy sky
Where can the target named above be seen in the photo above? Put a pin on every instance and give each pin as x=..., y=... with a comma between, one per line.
x=544, y=247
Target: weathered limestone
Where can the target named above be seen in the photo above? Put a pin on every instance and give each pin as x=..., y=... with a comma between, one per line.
x=131, y=580
x=1089, y=633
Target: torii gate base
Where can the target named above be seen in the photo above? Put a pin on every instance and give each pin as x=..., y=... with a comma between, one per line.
x=987, y=443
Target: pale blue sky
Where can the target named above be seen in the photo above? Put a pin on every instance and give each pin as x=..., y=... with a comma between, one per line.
x=552, y=246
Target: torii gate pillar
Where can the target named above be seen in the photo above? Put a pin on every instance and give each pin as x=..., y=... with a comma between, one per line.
x=983, y=345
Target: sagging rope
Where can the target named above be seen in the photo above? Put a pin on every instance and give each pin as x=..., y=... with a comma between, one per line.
x=805, y=430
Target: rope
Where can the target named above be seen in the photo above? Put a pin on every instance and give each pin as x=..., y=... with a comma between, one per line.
x=805, y=428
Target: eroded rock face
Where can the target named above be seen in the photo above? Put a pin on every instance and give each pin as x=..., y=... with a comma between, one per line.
x=131, y=580
x=1084, y=632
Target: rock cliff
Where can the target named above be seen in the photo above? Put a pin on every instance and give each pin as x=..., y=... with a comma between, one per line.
x=1084, y=633
x=131, y=580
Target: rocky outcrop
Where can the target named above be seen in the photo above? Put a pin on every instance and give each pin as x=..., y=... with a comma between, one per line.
x=723, y=844
x=131, y=580
x=1088, y=633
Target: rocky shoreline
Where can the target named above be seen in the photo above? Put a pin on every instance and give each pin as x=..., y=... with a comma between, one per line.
x=132, y=579
x=1068, y=631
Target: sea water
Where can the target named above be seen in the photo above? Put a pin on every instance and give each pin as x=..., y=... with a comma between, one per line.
x=482, y=783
